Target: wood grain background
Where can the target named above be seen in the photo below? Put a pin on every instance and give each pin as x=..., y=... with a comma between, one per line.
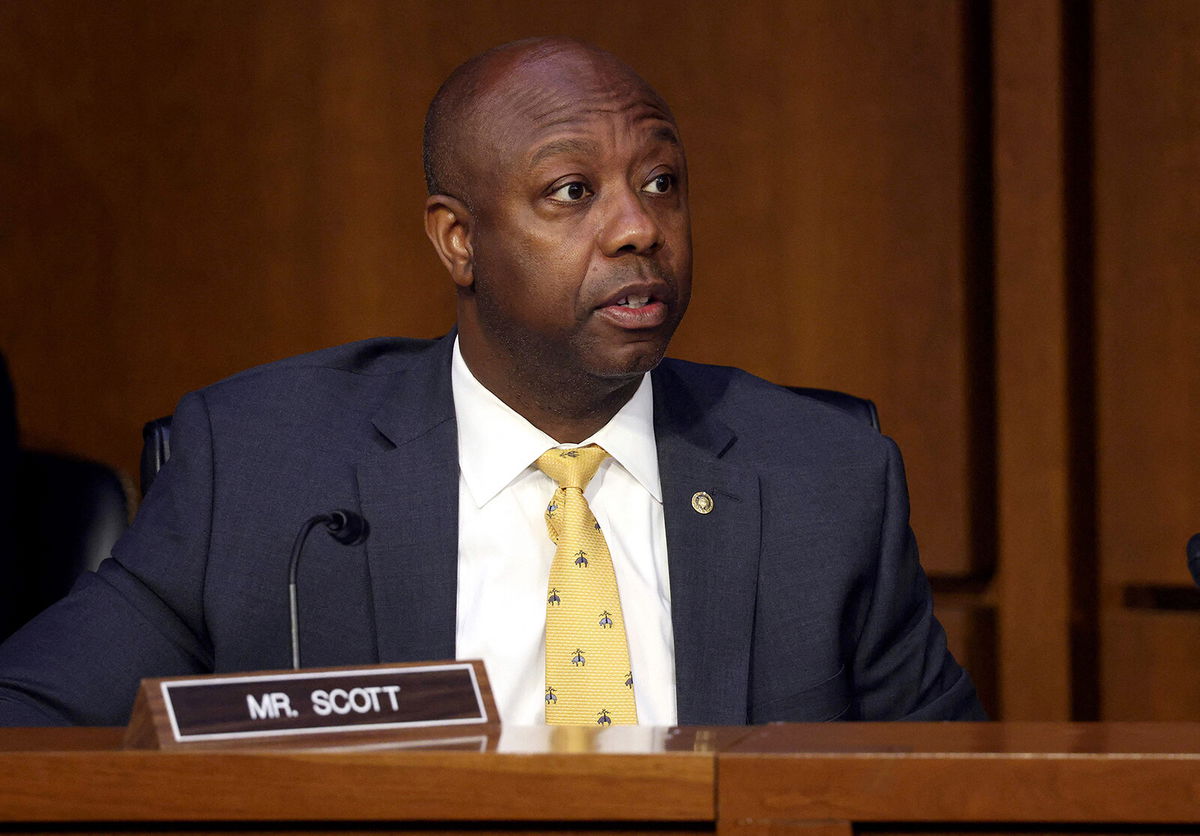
x=984, y=217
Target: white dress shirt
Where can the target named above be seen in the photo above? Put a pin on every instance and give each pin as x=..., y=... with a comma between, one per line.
x=504, y=552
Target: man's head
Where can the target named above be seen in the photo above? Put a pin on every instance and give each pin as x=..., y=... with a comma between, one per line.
x=558, y=202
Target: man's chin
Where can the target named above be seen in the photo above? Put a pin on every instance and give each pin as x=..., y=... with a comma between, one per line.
x=628, y=362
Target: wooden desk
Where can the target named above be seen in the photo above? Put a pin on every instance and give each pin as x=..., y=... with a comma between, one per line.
x=813, y=779
x=633, y=780
x=948, y=777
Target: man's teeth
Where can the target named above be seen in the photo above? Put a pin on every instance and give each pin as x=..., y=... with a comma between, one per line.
x=634, y=301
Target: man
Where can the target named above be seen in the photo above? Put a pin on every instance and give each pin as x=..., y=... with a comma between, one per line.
x=759, y=540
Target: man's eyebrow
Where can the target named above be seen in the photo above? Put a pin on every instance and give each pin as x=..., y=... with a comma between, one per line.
x=583, y=147
x=589, y=148
x=667, y=133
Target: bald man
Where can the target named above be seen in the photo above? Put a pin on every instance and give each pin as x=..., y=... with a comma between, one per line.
x=760, y=542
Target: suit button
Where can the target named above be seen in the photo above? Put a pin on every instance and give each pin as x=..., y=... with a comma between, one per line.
x=702, y=503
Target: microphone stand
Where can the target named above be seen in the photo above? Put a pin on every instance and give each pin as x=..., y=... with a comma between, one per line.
x=349, y=529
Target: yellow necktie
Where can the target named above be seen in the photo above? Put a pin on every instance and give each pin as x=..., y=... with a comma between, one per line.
x=588, y=676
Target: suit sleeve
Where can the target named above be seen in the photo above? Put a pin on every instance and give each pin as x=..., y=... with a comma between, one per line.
x=903, y=669
x=140, y=614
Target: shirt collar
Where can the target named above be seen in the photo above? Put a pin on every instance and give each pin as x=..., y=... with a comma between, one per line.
x=496, y=444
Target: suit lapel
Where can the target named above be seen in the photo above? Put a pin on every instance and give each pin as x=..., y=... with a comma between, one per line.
x=713, y=557
x=409, y=495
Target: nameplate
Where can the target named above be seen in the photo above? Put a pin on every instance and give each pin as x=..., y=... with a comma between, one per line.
x=389, y=700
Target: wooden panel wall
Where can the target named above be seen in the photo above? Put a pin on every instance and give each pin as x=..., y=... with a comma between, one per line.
x=1097, y=163
x=880, y=200
x=1147, y=127
x=198, y=187
x=1032, y=442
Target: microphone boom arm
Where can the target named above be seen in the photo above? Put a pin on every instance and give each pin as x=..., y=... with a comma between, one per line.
x=349, y=529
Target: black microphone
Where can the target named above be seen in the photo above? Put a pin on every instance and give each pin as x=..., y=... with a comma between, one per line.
x=349, y=529
x=1193, y=551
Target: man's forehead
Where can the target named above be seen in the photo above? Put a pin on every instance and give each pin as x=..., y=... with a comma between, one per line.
x=546, y=107
x=546, y=90
x=499, y=108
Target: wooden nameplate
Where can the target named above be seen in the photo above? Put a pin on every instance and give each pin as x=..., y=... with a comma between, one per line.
x=318, y=706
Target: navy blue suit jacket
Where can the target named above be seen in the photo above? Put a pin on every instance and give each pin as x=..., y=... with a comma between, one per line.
x=799, y=597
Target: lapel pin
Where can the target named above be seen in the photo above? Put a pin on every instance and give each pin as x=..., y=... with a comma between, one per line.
x=702, y=503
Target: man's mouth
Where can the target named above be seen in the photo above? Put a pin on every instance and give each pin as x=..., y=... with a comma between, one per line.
x=632, y=301
x=635, y=311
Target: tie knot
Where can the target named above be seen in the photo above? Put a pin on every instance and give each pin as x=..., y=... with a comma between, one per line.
x=572, y=468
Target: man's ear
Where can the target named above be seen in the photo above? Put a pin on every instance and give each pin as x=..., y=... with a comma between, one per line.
x=448, y=225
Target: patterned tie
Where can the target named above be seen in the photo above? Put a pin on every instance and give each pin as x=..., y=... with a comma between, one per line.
x=588, y=676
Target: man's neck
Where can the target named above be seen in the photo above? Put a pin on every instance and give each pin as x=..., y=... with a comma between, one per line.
x=567, y=410
x=570, y=422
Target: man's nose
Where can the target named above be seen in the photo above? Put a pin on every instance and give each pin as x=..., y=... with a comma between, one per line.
x=630, y=228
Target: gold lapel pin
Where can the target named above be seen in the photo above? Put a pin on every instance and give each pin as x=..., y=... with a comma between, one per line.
x=702, y=503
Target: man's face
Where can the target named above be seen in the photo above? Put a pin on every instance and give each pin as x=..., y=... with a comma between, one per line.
x=581, y=250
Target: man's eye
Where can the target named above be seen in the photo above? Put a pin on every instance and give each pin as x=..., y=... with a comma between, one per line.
x=571, y=192
x=661, y=184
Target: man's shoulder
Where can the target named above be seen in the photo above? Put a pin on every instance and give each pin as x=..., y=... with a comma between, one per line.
x=764, y=414
x=731, y=392
x=360, y=363
x=371, y=357
x=329, y=385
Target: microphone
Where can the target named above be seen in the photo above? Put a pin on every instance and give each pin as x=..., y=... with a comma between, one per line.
x=349, y=529
x=1193, y=553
